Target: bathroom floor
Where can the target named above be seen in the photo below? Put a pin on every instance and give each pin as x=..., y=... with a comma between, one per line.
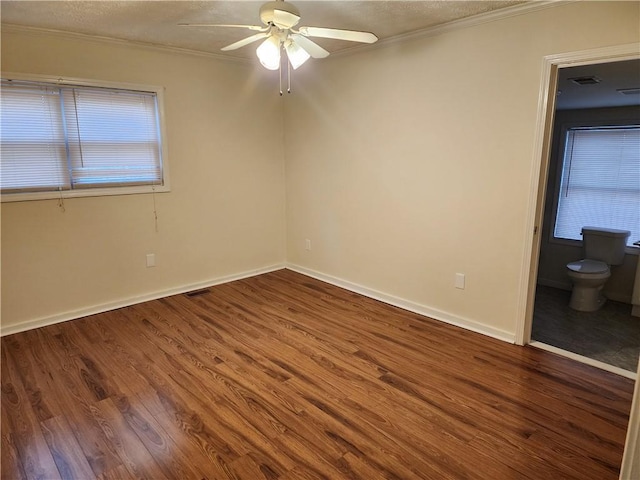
x=610, y=335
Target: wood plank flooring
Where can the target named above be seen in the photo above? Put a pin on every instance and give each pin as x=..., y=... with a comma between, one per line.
x=285, y=377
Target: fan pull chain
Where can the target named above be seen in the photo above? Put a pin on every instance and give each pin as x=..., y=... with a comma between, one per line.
x=289, y=77
x=280, y=75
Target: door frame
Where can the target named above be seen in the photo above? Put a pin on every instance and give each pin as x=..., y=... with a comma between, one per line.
x=540, y=168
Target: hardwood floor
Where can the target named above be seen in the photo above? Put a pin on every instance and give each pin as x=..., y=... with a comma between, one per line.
x=284, y=377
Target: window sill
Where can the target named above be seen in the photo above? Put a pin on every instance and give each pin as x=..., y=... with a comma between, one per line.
x=632, y=251
x=90, y=192
x=629, y=250
x=565, y=242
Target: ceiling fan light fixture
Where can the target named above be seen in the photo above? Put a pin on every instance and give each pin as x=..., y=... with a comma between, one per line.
x=279, y=17
x=269, y=53
x=296, y=54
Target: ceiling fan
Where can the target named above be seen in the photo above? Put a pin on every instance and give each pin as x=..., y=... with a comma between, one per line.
x=279, y=19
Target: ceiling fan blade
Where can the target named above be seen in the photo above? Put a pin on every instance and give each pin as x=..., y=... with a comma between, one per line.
x=283, y=19
x=350, y=35
x=245, y=41
x=226, y=25
x=312, y=48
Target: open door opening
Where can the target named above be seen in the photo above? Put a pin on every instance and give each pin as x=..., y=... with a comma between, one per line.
x=541, y=191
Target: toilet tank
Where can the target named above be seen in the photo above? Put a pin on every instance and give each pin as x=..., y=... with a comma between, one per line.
x=605, y=244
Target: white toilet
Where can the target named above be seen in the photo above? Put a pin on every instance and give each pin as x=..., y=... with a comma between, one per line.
x=602, y=247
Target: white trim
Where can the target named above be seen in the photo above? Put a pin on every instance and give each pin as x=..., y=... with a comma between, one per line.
x=81, y=82
x=630, y=468
x=614, y=296
x=615, y=53
x=540, y=163
x=472, y=21
x=38, y=31
x=618, y=297
x=582, y=359
x=533, y=224
x=126, y=302
x=462, y=23
x=86, y=192
x=555, y=284
x=408, y=305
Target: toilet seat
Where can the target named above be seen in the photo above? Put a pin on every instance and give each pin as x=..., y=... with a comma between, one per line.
x=588, y=278
x=589, y=267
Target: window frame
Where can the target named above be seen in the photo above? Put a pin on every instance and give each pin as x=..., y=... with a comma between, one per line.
x=560, y=151
x=107, y=190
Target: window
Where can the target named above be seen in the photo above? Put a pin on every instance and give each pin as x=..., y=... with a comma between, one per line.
x=600, y=182
x=74, y=140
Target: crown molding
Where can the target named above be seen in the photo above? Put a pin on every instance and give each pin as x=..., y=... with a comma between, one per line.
x=474, y=20
x=37, y=31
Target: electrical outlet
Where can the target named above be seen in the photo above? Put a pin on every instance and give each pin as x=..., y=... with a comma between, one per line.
x=307, y=245
x=459, y=282
x=151, y=260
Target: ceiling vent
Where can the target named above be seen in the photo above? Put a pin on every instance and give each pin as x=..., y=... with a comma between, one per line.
x=629, y=91
x=590, y=80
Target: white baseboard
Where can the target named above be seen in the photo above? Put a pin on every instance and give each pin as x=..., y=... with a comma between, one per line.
x=555, y=284
x=615, y=296
x=436, y=314
x=125, y=302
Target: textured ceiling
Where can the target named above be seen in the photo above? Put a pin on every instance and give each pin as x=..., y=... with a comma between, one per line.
x=155, y=22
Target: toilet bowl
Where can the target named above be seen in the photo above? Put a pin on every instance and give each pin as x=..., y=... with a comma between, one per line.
x=588, y=278
x=603, y=247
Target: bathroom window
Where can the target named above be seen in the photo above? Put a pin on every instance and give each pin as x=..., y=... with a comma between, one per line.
x=66, y=138
x=600, y=181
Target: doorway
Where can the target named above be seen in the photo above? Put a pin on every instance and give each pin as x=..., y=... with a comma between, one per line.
x=547, y=320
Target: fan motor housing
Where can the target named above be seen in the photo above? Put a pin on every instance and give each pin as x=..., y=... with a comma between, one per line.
x=266, y=10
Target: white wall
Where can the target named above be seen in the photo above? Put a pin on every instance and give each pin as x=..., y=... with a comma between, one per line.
x=224, y=215
x=411, y=162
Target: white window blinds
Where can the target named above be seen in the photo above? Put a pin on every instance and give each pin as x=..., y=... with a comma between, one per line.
x=600, y=184
x=33, y=155
x=62, y=137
